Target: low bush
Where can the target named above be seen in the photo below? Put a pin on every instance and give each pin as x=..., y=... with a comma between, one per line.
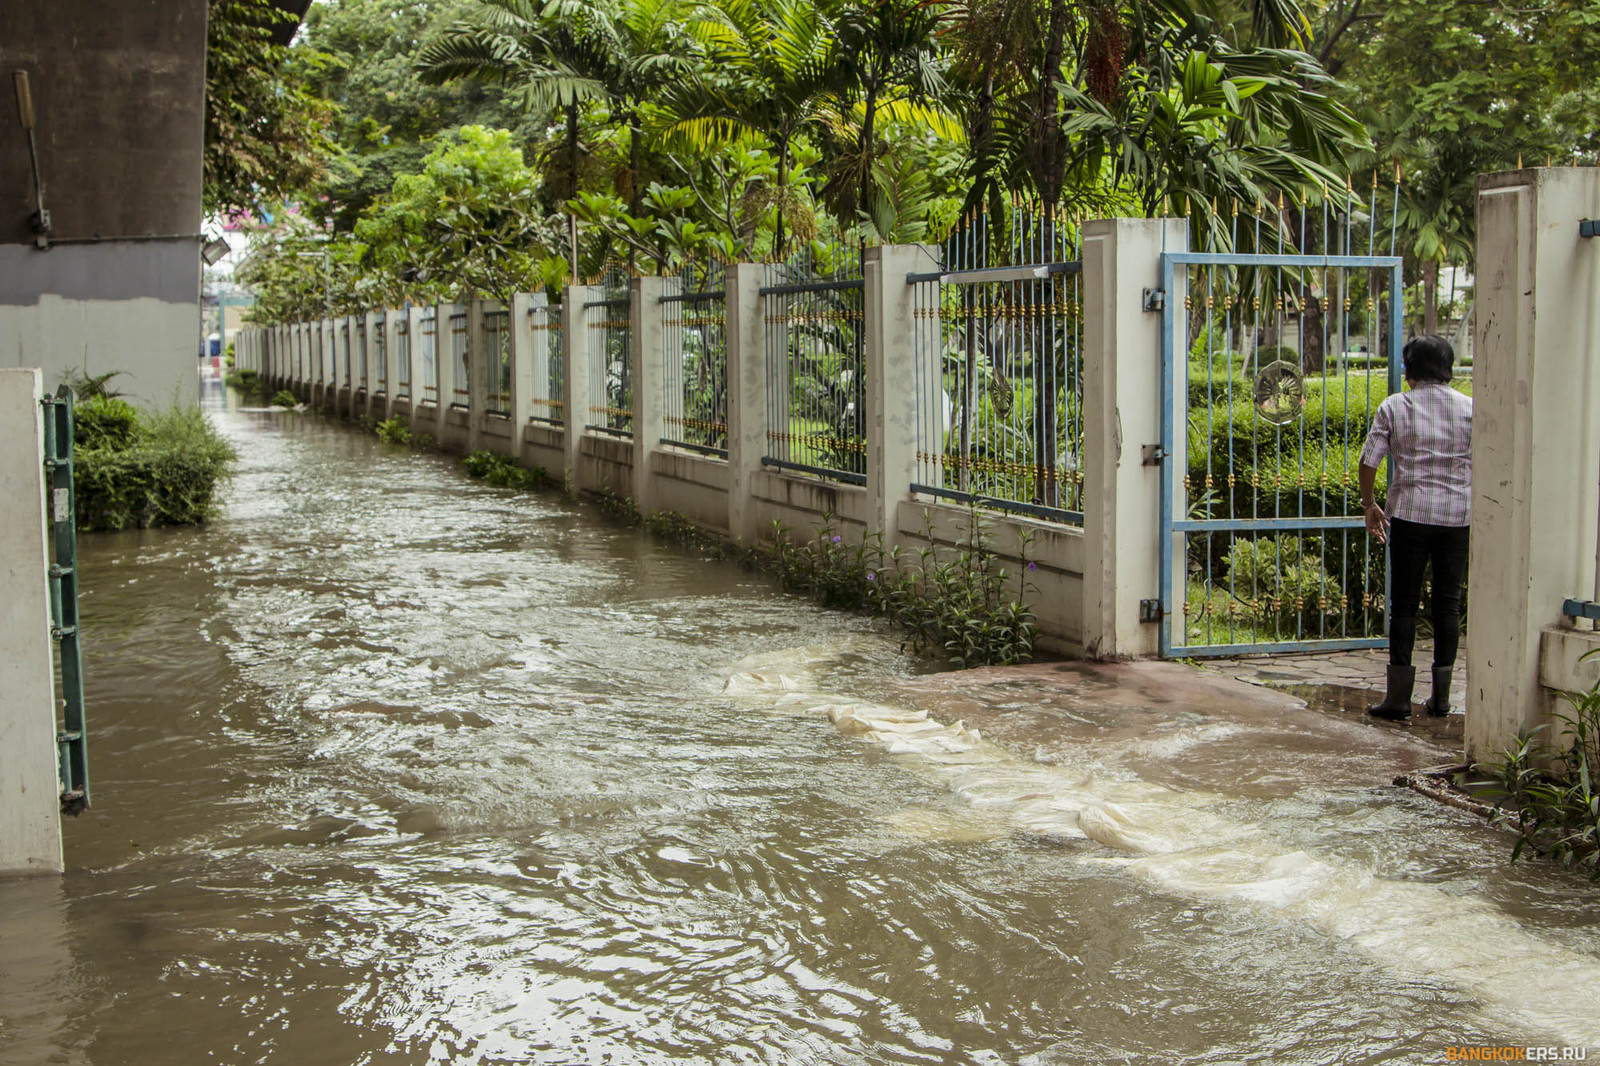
x=1550, y=792
x=962, y=602
x=285, y=398
x=104, y=422
x=677, y=528
x=1283, y=583
x=167, y=474
x=501, y=471
x=394, y=431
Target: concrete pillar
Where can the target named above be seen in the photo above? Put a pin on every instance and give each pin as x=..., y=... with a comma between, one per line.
x=391, y=359
x=1122, y=414
x=444, y=360
x=1535, y=437
x=480, y=364
x=415, y=343
x=30, y=790
x=575, y=334
x=891, y=356
x=527, y=362
x=744, y=316
x=323, y=335
x=649, y=402
x=373, y=381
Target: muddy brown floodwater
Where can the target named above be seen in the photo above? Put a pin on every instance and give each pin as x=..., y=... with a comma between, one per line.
x=393, y=767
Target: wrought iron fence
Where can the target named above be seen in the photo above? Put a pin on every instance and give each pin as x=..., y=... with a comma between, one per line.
x=549, y=380
x=402, y=358
x=999, y=374
x=610, y=368
x=694, y=342
x=460, y=360
x=816, y=372
x=497, y=362
x=430, y=356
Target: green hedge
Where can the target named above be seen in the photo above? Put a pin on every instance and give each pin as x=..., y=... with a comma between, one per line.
x=1338, y=415
x=166, y=472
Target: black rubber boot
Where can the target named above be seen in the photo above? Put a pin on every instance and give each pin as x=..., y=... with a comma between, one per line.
x=1396, y=705
x=1438, y=704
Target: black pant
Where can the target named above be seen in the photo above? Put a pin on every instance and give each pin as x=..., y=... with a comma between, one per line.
x=1412, y=546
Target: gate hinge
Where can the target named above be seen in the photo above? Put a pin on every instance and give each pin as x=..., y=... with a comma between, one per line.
x=1152, y=455
x=1155, y=299
x=1150, y=611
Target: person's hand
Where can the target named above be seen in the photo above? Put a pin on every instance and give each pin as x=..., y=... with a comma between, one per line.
x=1377, y=522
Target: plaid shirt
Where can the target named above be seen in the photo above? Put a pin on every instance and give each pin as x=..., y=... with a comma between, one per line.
x=1428, y=431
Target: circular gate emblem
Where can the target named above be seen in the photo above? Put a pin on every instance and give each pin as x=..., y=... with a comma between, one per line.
x=1279, y=392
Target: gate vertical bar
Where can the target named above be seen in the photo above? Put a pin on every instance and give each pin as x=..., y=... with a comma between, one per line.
x=1170, y=610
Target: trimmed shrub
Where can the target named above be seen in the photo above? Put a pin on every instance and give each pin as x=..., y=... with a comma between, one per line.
x=168, y=476
x=1282, y=580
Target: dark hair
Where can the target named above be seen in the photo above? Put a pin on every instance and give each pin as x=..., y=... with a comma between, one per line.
x=1428, y=359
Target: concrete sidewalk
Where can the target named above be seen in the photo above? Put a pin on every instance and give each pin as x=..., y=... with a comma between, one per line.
x=1350, y=669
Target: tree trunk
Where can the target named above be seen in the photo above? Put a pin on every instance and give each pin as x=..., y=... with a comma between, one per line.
x=783, y=179
x=1430, y=297
x=635, y=135
x=572, y=149
x=867, y=124
x=1048, y=176
x=1312, y=356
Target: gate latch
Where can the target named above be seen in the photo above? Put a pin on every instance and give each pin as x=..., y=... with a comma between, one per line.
x=1155, y=299
x=1152, y=455
x=1150, y=611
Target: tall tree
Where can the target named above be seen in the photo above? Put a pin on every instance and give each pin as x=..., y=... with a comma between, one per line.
x=1455, y=88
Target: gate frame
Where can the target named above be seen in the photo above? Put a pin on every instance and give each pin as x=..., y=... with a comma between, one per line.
x=1174, y=528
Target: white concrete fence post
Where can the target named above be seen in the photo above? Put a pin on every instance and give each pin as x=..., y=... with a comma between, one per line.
x=1122, y=414
x=649, y=414
x=371, y=335
x=747, y=397
x=480, y=368
x=1535, y=447
x=414, y=346
x=392, y=317
x=526, y=362
x=891, y=356
x=30, y=790
x=444, y=362
x=575, y=335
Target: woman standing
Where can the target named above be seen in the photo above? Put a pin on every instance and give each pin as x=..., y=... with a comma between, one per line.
x=1427, y=431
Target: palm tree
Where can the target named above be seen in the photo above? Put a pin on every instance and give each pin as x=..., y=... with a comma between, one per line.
x=566, y=52
x=891, y=66
x=770, y=64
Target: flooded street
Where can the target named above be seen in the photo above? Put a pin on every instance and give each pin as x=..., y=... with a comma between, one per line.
x=393, y=767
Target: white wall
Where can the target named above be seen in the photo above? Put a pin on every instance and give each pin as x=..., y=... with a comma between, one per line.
x=30, y=825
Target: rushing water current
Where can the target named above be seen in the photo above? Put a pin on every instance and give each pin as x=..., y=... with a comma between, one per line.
x=393, y=767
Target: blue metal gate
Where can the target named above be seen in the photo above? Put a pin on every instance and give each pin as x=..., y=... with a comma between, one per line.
x=1272, y=365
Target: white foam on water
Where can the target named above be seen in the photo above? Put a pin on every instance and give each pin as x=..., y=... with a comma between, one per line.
x=1178, y=842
